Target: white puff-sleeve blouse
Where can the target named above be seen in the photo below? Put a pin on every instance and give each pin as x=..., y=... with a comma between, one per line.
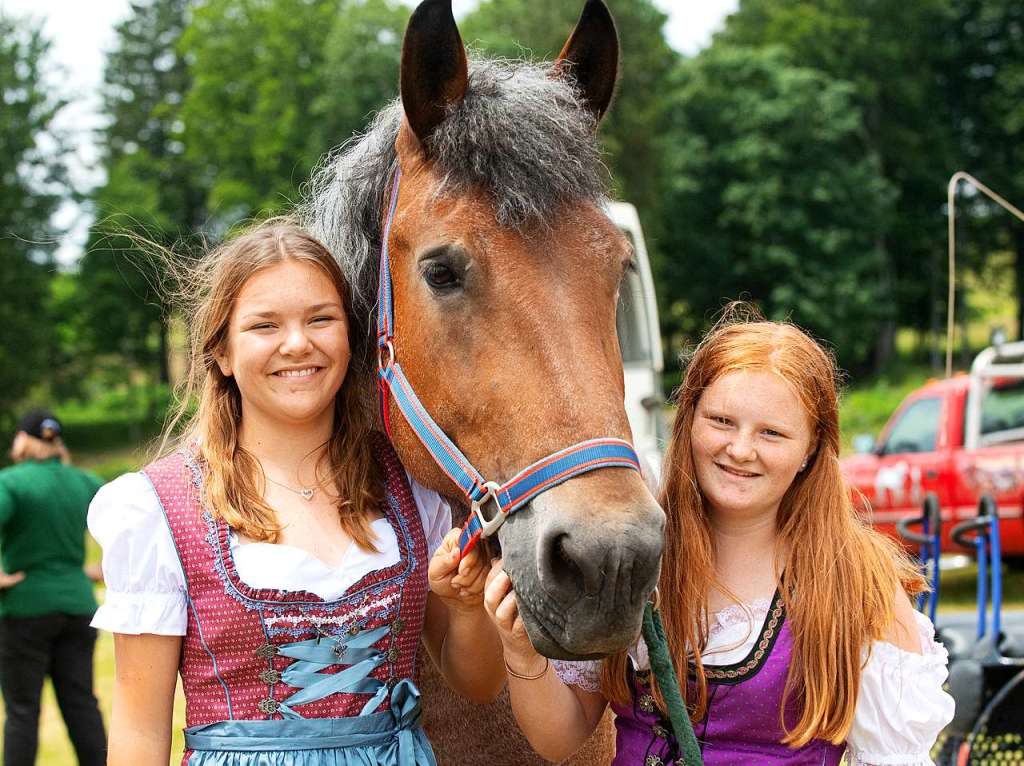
x=146, y=585
x=901, y=707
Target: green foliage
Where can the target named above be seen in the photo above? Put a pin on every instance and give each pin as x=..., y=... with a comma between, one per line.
x=986, y=78
x=895, y=54
x=31, y=188
x=114, y=418
x=775, y=197
x=360, y=68
x=257, y=69
x=152, y=197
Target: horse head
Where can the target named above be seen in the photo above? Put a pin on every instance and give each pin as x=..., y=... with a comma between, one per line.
x=505, y=273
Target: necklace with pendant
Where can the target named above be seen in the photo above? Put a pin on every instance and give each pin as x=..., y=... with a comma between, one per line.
x=305, y=492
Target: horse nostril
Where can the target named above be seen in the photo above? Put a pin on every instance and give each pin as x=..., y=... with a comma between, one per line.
x=560, y=563
x=564, y=570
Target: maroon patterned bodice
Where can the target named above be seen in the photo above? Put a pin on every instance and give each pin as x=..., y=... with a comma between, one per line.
x=230, y=664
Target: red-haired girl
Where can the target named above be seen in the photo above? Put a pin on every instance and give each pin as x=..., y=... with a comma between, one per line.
x=278, y=559
x=789, y=617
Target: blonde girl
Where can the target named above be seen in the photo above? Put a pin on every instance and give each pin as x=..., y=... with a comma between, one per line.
x=803, y=641
x=278, y=558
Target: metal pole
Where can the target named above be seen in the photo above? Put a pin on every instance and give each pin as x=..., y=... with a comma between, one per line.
x=951, y=226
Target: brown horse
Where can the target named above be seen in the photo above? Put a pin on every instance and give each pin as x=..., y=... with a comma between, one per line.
x=505, y=275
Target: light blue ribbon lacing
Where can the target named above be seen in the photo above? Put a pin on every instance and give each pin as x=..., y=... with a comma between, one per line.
x=317, y=654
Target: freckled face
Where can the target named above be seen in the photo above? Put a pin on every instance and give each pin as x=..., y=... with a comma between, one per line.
x=287, y=345
x=750, y=437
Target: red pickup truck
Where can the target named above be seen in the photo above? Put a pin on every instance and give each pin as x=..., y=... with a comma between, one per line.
x=959, y=438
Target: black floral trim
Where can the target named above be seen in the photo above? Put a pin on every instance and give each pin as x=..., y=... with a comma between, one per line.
x=749, y=666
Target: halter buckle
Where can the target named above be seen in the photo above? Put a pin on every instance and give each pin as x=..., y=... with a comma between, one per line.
x=491, y=525
x=390, y=348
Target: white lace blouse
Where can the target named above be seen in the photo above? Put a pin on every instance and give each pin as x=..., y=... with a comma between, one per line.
x=145, y=582
x=901, y=707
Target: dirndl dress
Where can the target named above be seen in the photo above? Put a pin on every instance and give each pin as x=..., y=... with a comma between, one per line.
x=285, y=678
x=742, y=724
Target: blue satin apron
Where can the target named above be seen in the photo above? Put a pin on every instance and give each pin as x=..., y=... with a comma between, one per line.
x=391, y=738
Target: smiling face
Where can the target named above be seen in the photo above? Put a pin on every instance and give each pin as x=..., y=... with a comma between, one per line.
x=750, y=437
x=287, y=344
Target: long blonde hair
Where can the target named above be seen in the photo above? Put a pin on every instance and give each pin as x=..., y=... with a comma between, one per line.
x=840, y=578
x=234, y=479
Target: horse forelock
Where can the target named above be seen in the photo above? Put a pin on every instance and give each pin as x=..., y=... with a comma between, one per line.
x=521, y=135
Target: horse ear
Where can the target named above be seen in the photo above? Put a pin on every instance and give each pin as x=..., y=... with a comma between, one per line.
x=434, y=68
x=591, y=56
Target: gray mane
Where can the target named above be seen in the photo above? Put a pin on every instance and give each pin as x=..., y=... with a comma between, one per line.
x=519, y=134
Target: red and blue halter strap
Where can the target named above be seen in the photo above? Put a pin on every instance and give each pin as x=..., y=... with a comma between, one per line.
x=513, y=494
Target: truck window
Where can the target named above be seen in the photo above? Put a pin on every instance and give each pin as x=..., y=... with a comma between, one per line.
x=631, y=318
x=1002, y=410
x=917, y=428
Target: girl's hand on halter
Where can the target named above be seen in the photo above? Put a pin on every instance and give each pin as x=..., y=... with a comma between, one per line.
x=500, y=603
x=460, y=584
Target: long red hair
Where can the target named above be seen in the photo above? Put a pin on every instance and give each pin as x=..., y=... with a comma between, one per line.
x=840, y=578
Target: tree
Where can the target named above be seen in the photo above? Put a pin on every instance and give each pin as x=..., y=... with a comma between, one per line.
x=258, y=70
x=152, y=191
x=986, y=82
x=31, y=187
x=360, y=68
x=775, y=196
x=895, y=54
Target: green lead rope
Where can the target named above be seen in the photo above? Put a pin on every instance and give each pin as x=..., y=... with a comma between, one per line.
x=665, y=675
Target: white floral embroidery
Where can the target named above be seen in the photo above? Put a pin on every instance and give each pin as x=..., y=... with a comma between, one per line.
x=735, y=614
x=311, y=619
x=586, y=675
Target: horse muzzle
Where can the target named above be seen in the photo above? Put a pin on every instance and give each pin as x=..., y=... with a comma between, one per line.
x=582, y=579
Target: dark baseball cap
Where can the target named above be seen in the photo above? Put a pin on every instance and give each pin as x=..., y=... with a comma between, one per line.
x=41, y=424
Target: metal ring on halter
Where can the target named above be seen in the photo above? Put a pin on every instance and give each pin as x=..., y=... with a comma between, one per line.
x=655, y=598
x=391, y=355
x=489, y=526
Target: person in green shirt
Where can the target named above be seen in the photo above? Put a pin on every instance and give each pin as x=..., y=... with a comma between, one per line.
x=46, y=597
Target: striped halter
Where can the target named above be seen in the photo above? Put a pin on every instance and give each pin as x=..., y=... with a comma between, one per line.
x=490, y=502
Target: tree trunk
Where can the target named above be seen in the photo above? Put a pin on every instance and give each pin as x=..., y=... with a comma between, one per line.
x=1018, y=270
x=935, y=348
x=885, y=343
x=965, y=326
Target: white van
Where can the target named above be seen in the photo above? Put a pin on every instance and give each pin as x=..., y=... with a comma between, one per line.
x=640, y=341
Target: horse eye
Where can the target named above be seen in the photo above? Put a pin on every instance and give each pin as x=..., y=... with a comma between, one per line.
x=440, y=276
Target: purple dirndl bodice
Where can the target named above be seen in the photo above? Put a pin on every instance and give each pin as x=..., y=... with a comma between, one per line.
x=742, y=724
